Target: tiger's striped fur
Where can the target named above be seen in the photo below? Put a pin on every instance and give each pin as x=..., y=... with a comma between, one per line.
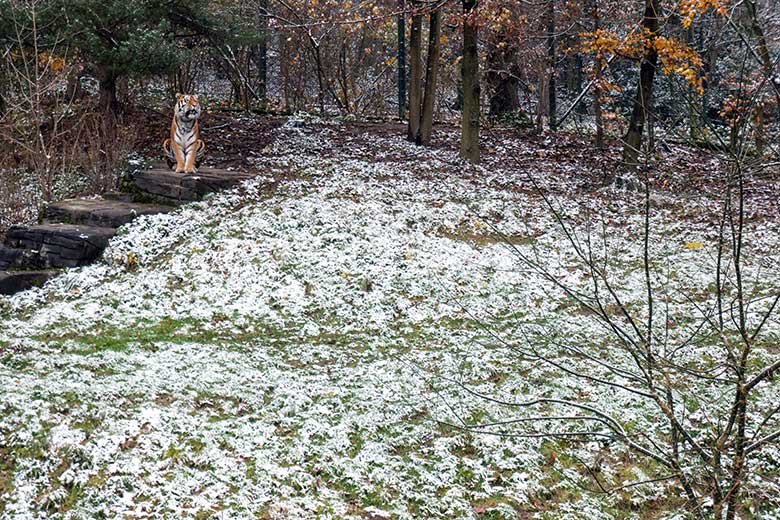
x=184, y=148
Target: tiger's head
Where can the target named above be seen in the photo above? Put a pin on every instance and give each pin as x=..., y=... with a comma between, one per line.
x=187, y=107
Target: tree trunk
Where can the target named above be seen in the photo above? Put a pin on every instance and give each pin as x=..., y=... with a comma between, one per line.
x=694, y=108
x=644, y=95
x=469, y=143
x=766, y=65
x=505, y=99
x=431, y=73
x=262, y=52
x=284, y=70
x=320, y=79
x=401, y=63
x=344, y=77
x=108, y=101
x=544, y=98
x=551, y=104
x=415, y=79
x=763, y=46
x=597, y=93
x=582, y=106
x=502, y=78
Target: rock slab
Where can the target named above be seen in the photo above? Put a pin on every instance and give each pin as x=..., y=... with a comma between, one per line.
x=53, y=245
x=99, y=212
x=17, y=281
x=181, y=188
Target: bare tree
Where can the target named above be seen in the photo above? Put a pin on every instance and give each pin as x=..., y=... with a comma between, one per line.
x=415, y=74
x=469, y=146
x=697, y=360
x=37, y=75
x=644, y=92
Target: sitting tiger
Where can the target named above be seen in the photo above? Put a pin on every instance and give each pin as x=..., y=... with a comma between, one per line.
x=184, y=149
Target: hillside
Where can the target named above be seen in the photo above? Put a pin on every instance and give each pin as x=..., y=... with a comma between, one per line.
x=339, y=337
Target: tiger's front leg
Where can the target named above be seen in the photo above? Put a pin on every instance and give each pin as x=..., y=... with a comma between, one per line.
x=180, y=158
x=189, y=163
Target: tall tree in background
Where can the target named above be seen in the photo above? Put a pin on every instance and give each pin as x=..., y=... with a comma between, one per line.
x=431, y=73
x=598, y=90
x=415, y=76
x=644, y=92
x=401, y=59
x=469, y=143
x=112, y=35
x=262, y=51
x=552, y=59
x=503, y=41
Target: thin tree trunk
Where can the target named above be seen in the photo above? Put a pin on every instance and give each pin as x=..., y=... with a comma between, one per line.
x=262, y=52
x=644, y=95
x=582, y=106
x=544, y=99
x=551, y=104
x=320, y=79
x=401, y=63
x=469, y=143
x=694, y=109
x=284, y=70
x=597, y=93
x=343, y=77
x=415, y=79
x=431, y=73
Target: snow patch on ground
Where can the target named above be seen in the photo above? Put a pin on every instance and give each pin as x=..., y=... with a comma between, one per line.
x=304, y=353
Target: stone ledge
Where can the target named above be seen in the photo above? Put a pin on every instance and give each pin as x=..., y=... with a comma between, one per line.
x=17, y=281
x=182, y=188
x=99, y=212
x=53, y=245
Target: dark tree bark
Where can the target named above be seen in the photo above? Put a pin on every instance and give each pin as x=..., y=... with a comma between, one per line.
x=551, y=57
x=415, y=78
x=343, y=77
x=502, y=78
x=431, y=73
x=401, y=63
x=284, y=70
x=108, y=101
x=262, y=52
x=644, y=95
x=597, y=93
x=765, y=59
x=582, y=106
x=469, y=143
x=320, y=78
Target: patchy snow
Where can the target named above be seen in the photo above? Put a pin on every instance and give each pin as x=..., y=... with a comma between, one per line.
x=310, y=352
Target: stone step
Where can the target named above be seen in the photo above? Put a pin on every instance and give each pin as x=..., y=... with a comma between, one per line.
x=53, y=245
x=99, y=212
x=16, y=281
x=118, y=195
x=179, y=188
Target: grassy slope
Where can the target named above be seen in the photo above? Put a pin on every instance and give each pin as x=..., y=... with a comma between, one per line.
x=305, y=353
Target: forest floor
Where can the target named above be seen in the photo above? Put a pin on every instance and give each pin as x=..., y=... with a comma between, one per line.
x=321, y=349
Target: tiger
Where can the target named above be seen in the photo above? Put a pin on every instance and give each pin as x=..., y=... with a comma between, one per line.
x=184, y=149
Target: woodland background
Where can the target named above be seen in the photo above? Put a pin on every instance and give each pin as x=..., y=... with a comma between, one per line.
x=621, y=157
x=73, y=72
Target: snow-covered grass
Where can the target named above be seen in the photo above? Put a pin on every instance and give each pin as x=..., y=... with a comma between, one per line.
x=311, y=351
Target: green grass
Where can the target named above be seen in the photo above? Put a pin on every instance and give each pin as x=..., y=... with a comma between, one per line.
x=109, y=338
